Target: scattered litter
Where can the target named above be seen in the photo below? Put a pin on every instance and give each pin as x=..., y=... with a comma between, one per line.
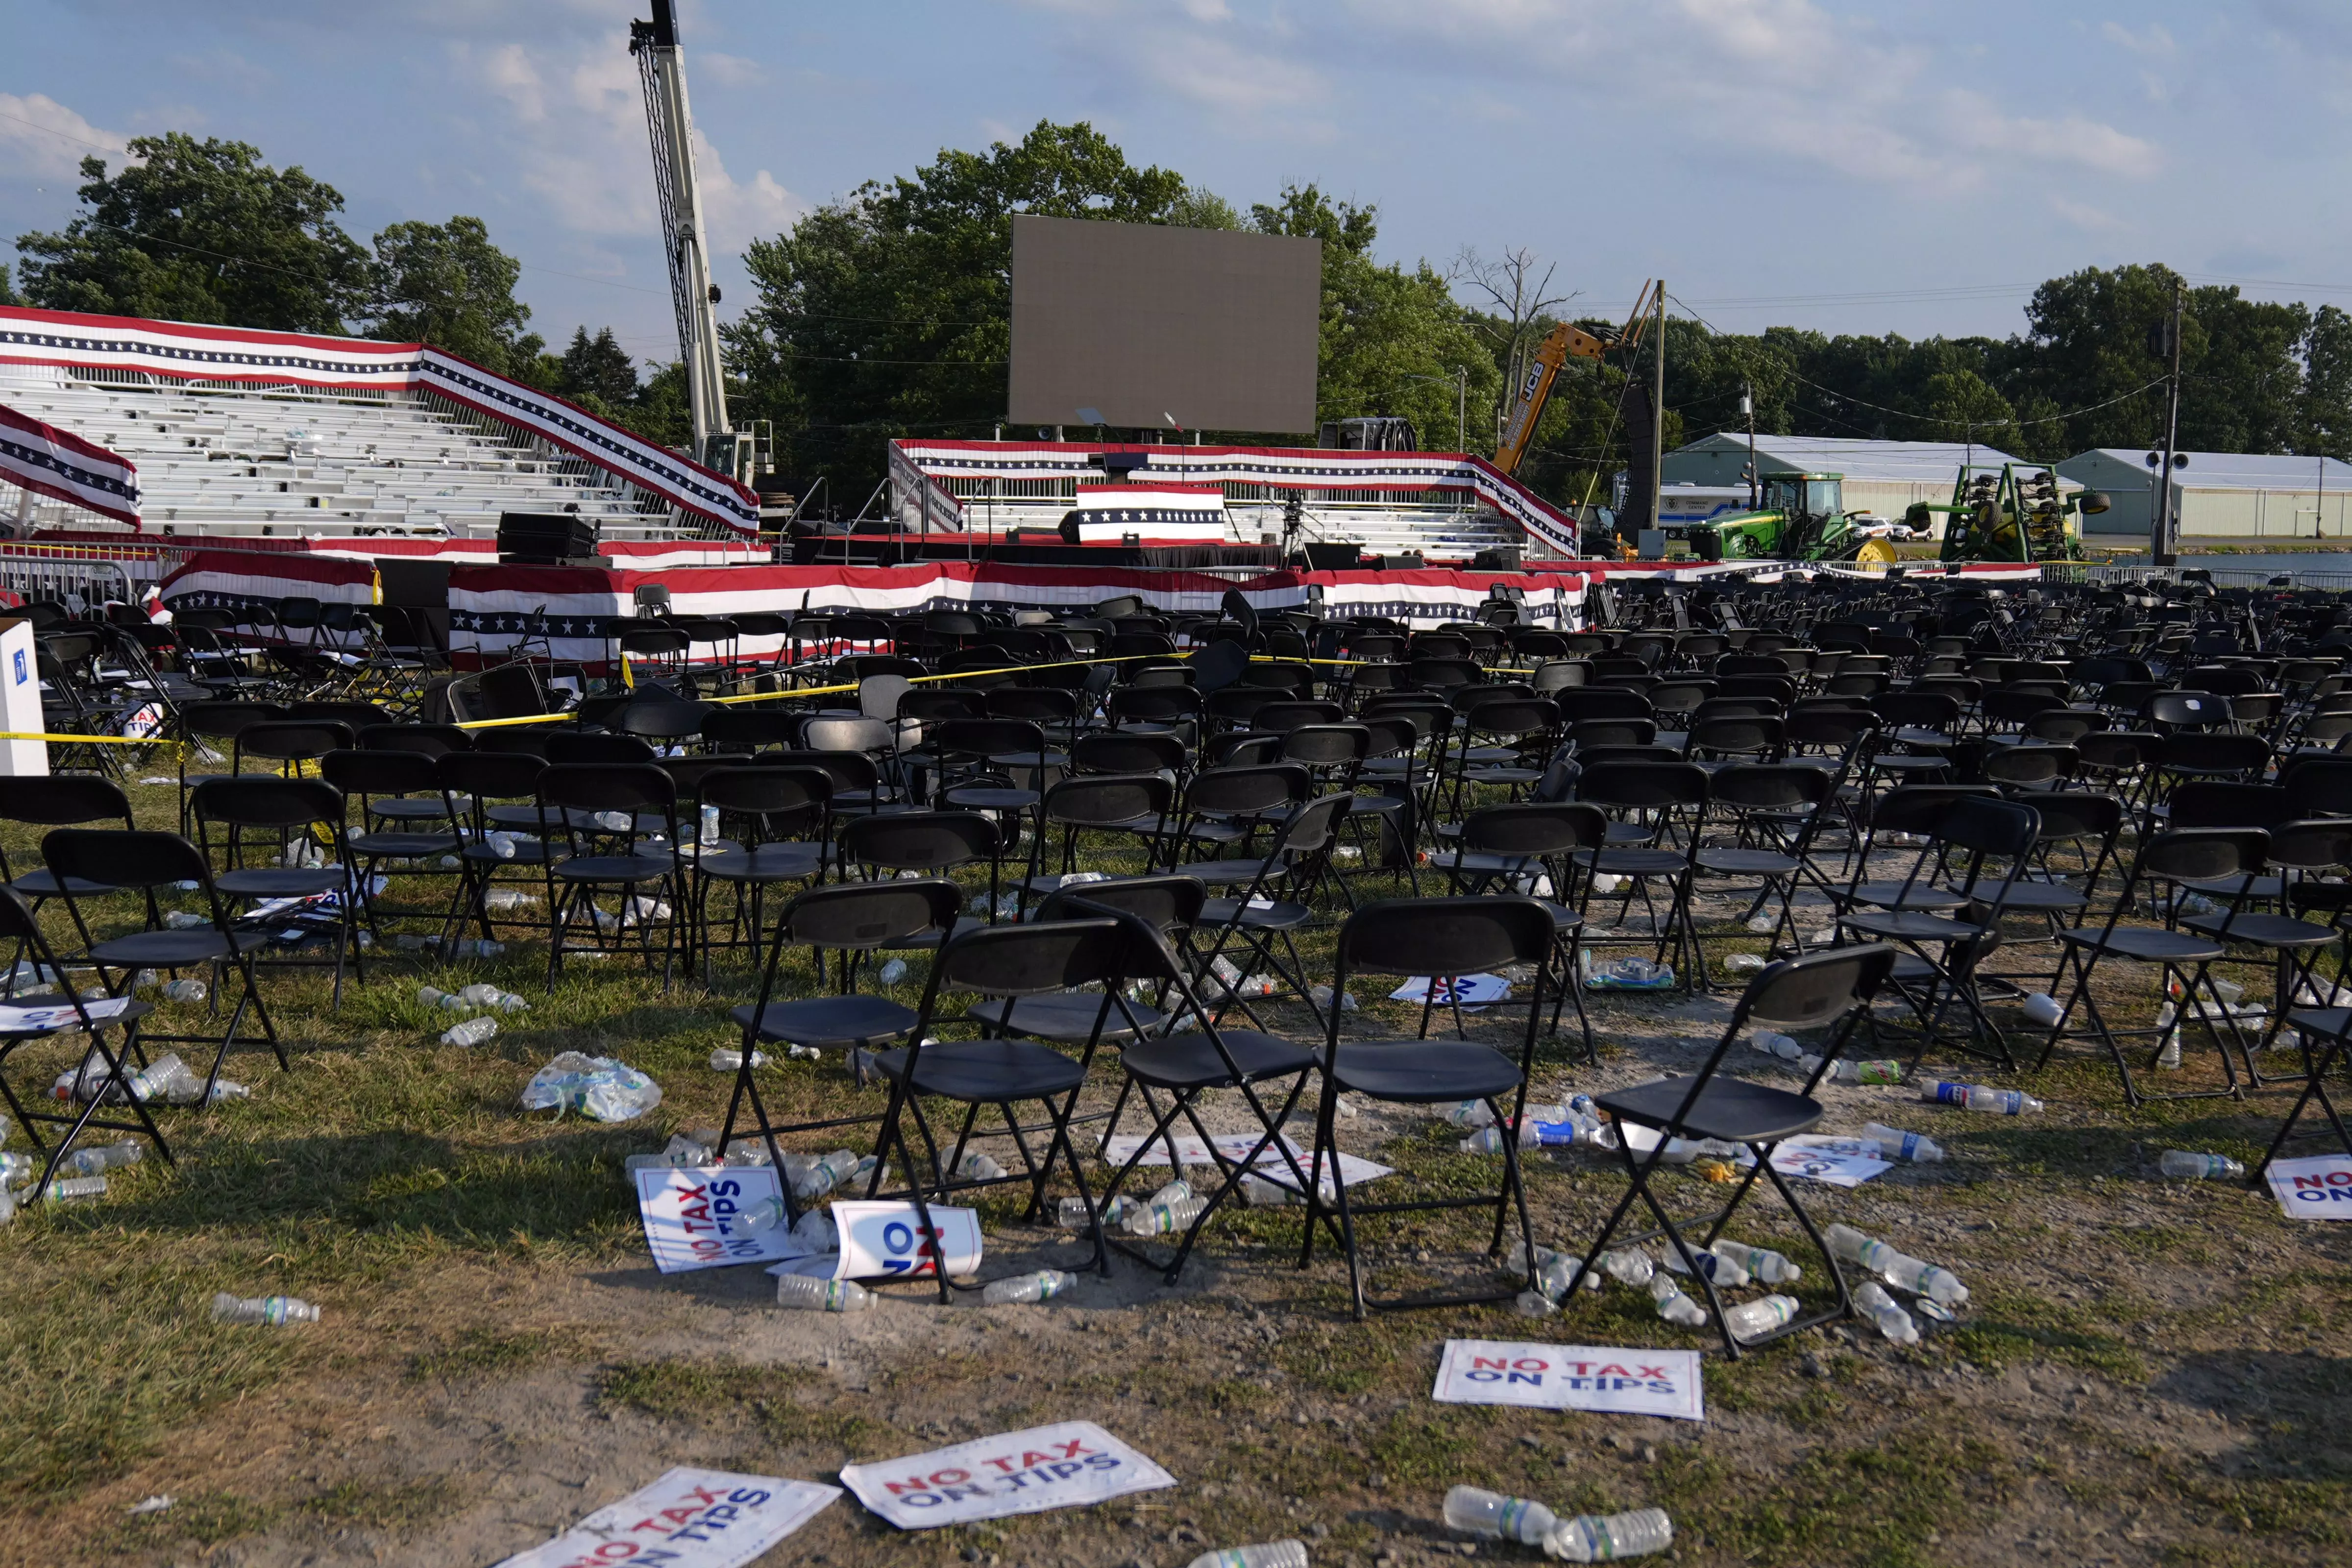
x=1672, y=1305
x=505, y=899
x=1266, y=1554
x=478, y=1031
x=893, y=972
x=2042, y=1010
x=1899, y=1270
x=727, y=1058
x=160, y=1501
x=1754, y=1320
x=801, y=1293
x=104, y=1157
x=1890, y=1318
x=1631, y=974
x=696, y=1519
x=1044, y=1285
x=1895, y=1143
x=1846, y=1070
x=599, y=1088
x=1321, y=997
x=1114, y=1210
x=1067, y=1465
x=1587, y=1538
x=1977, y=1097
x=1470, y=991
x=681, y=1154
x=1744, y=963
x=269, y=1309
x=2182, y=1166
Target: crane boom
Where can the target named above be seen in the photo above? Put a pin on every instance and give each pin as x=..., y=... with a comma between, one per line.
x=661, y=68
x=1563, y=343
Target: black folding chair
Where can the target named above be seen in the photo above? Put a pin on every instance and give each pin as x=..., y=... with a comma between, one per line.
x=1032, y=958
x=1817, y=991
x=143, y=862
x=20, y=925
x=1442, y=938
x=784, y=817
x=581, y=801
x=262, y=817
x=1504, y=845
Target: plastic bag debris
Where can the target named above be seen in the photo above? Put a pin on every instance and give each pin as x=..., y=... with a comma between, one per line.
x=599, y=1088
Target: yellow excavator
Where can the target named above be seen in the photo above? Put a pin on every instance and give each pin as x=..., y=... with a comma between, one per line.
x=1565, y=342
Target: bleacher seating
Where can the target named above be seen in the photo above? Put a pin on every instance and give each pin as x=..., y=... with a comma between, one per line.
x=224, y=461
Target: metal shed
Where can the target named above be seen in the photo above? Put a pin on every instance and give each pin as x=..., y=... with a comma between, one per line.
x=2220, y=495
x=1881, y=476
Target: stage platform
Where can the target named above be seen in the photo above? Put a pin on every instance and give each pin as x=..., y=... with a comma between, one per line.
x=1026, y=547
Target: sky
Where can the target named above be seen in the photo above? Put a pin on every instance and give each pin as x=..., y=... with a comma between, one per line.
x=1898, y=166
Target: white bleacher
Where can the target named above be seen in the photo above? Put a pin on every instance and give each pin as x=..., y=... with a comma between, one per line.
x=221, y=461
x=1444, y=529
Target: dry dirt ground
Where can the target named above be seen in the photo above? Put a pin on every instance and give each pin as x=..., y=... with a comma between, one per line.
x=2148, y=1371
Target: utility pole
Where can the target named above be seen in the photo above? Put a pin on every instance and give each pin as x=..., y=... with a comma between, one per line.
x=2164, y=541
x=1658, y=415
x=1747, y=407
x=1462, y=408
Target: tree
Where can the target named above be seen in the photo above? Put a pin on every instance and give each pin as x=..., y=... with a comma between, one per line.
x=445, y=284
x=1521, y=321
x=1391, y=340
x=597, y=368
x=201, y=231
x=7, y=294
x=2326, y=422
x=888, y=313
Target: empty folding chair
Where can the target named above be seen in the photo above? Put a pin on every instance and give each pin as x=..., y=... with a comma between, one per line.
x=283, y=847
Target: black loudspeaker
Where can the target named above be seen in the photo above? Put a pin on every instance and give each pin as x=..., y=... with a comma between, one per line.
x=544, y=538
x=1640, y=484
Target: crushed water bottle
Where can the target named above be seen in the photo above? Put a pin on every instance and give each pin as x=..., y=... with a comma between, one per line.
x=1041, y=1286
x=599, y=1088
x=184, y=990
x=70, y=1187
x=681, y=1154
x=1557, y=1273
x=270, y=1309
x=2182, y=1166
x=727, y=1058
x=1850, y=1071
x=892, y=971
x=1896, y=1144
x=1629, y=974
x=1762, y=1262
x=1476, y=1511
x=1773, y=1044
x=1899, y=1270
x=1169, y=1219
x=1672, y=1305
x=1257, y=1193
x=1754, y=1320
x=817, y=1232
x=472, y=1032
x=812, y=1179
x=105, y=1157
x=1744, y=963
x=1881, y=1308
x=1534, y=1304
x=976, y=1166
x=446, y=1001
x=490, y=996
x=801, y=1293
x=1628, y=1264
x=1978, y=1097
x=1266, y=1554
x=502, y=900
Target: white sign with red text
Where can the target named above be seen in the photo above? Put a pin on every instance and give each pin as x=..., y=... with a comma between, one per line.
x=1069, y=1465
x=694, y=1219
x=2319, y=1187
x=689, y=1518
x=1570, y=1377
x=883, y=1241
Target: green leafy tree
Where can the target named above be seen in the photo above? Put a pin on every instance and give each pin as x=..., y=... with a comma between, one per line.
x=888, y=313
x=201, y=231
x=445, y=284
x=8, y=293
x=598, y=368
x=2325, y=424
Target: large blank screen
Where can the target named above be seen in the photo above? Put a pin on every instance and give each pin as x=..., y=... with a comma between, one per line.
x=1143, y=323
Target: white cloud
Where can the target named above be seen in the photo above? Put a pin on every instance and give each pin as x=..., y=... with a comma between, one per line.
x=2154, y=41
x=2085, y=217
x=45, y=140
x=726, y=69
x=582, y=147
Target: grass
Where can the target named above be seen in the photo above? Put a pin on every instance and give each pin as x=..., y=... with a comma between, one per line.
x=448, y=1235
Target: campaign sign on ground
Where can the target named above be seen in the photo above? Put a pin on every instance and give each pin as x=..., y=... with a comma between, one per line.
x=17, y=1018
x=1838, y=1168
x=694, y=1219
x=689, y=1518
x=2318, y=1188
x=1472, y=990
x=885, y=1240
x=1570, y=1377
x=1069, y=1465
x=1354, y=1171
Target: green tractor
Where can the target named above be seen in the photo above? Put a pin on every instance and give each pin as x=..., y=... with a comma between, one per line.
x=1803, y=518
x=2007, y=513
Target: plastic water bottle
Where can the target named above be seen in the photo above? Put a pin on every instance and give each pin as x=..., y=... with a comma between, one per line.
x=1762, y=1262
x=185, y=991
x=1728, y=1273
x=492, y=997
x=680, y=1153
x=1895, y=1143
x=727, y=1058
x=1744, y=963
x=1753, y=1320
x=448, y=1002
x=1628, y=1264
x=820, y=1176
x=1115, y=1211
x=817, y=1232
x=1167, y=1218
x=709, y=834
x=1978, y=1097
x=1605, y=1538
x=1880, y=1308
x=1258, y=1193
x=472, y=1032
x=1900, y=1270
x=1774, y=1044
x=1672, y=1305
x=1534, y=1304
x=976, y=1166
x=892, y=971
x=505, y=899
x=103, y=1158
x=1557, y=1273
x=270, y=1309
x=502, y=845
x=1850, y=1071
x=2182, y=1166
x=1477, y=1511
x=1268, y=1554
x=803, y=1294
x=186, y=920
x=69, y=1187
x=1041, y=1286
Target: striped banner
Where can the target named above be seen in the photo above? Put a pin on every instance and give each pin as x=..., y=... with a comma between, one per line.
x=54, y=463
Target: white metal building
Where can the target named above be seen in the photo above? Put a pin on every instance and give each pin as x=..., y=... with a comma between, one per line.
x=1883, y=477
x=2231, y=495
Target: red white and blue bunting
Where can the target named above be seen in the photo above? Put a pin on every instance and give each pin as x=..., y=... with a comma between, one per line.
x=63, y=466
x=184, y=352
